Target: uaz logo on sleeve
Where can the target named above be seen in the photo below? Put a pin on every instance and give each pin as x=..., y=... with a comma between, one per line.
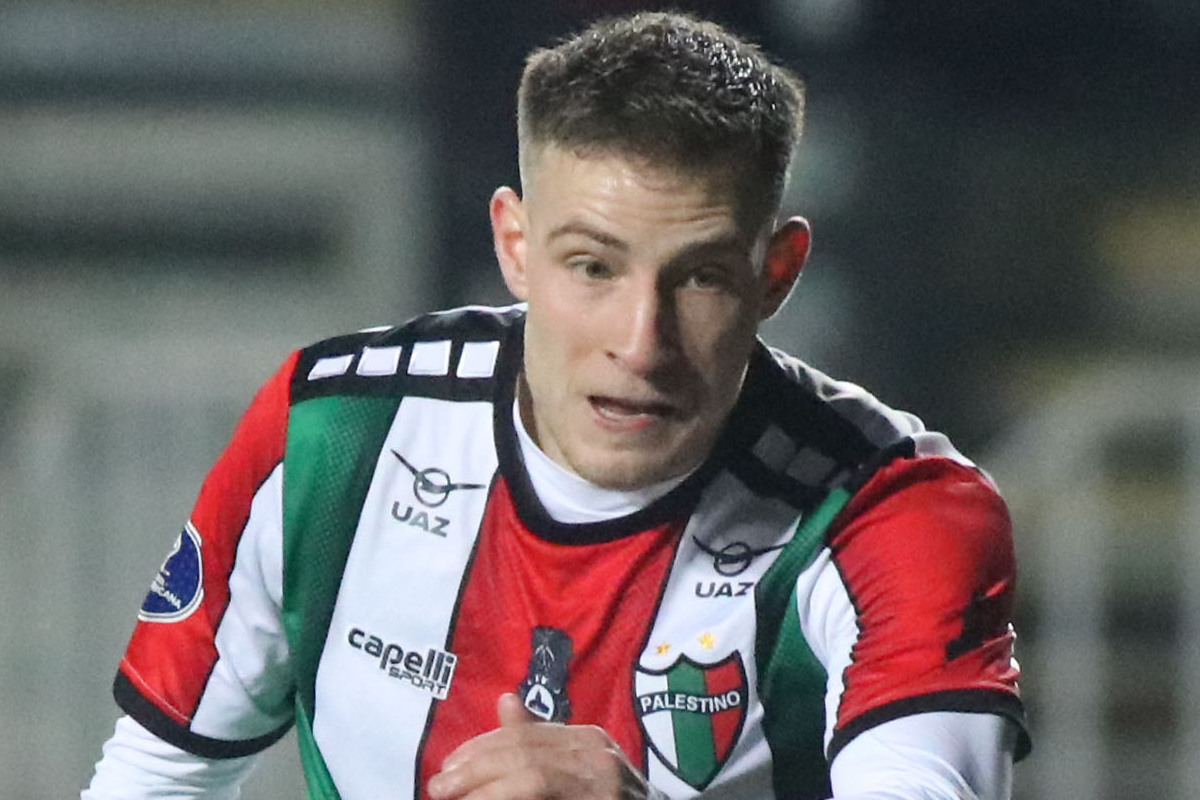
x=178, y=588
x=692, y=714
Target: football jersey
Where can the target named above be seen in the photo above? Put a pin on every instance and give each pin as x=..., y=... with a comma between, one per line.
x=368, y=561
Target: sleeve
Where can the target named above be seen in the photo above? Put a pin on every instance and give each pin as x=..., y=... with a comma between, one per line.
x=924, y=571
x=137, y=765
x=934, y=756
x=206, y=669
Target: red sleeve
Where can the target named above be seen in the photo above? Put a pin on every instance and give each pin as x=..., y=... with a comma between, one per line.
x=172, y=651
x=925, y=551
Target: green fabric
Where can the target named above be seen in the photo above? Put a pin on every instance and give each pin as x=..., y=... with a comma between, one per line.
x=694, y=747
x=332, y=449
x=316, y=773
x=791, y=680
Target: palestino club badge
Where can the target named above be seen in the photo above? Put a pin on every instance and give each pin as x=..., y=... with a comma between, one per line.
x=178, y=588
x=692, y=714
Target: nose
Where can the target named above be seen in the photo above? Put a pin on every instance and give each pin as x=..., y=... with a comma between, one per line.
x=642, y=340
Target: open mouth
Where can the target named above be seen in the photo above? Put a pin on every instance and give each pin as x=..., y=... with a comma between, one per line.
x=621, y=410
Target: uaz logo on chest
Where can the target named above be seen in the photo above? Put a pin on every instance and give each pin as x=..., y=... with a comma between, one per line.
x=692, y=714
x=431, y=486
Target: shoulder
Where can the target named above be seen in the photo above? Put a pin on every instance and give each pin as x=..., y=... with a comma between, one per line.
x=927, y=510
x=853, y=414
x=812, y=433
x=453, y=353
x=925, y=554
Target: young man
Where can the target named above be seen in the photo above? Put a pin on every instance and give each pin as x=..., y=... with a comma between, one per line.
x=604, y=543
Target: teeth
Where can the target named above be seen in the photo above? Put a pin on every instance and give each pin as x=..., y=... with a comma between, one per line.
x=624, y=408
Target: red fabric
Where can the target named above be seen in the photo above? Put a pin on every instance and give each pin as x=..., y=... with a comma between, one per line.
x=726, y=725
x=927, y=557
x=602, y=596
x=219, y=516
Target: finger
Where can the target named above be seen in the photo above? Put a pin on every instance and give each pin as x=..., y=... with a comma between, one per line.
x=526, y=784
x=512, y=711
x=512, y=716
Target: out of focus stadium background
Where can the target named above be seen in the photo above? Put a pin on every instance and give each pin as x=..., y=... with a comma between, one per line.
x=1006, y=205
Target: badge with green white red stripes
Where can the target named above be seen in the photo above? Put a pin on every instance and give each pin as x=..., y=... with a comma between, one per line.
x=692, y=714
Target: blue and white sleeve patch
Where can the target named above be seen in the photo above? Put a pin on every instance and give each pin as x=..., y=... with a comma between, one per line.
x=178, y=588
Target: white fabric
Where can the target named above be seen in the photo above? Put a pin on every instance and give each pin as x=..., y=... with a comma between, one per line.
x=829, y=623
x=942, y=755
x=137, y=765
x=249, y=682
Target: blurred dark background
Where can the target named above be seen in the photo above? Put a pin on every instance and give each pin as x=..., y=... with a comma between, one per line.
x=1006, y=207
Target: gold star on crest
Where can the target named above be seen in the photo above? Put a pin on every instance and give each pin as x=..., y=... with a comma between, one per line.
x=708, y=641
x=662, y=649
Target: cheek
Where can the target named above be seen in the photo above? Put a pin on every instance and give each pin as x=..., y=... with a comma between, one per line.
x=720, y=341
x=568, y=329
x=550, y=342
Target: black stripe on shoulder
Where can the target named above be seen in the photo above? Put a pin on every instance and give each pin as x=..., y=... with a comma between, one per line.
x=808, y=418
x=152, y=719
x=970, y=701
x=901, y=448
x=799, y=446
x=794, y=447
x=449, y=355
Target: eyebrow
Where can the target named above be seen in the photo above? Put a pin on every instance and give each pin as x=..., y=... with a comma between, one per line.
x=729, y=242
x=576, y=228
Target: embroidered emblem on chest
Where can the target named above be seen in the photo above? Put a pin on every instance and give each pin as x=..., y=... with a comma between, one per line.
x=692, y=714
x=544, y=690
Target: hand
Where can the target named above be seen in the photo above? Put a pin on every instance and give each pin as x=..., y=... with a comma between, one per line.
x=528, y=759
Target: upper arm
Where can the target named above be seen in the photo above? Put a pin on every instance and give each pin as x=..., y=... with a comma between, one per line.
x=934, y=756
x=206, y=667
x=137, y=765
x=925, y=574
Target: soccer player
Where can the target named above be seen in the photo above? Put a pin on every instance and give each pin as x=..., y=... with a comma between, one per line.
x=602, y=544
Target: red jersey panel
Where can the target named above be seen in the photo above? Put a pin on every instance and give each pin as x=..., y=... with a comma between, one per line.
x=927, y=558
x=533, y=611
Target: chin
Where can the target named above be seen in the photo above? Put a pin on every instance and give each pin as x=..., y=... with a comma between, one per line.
x=627, y=472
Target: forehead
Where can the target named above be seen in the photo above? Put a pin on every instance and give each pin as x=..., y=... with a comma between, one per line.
x=556, y=180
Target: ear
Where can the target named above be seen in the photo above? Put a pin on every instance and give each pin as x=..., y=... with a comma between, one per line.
x=508, y=238
x=787, y=252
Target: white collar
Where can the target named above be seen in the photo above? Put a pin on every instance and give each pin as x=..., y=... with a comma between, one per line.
x=571, y=499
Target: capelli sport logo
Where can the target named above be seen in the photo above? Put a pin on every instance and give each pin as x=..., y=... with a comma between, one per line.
x=430, y=671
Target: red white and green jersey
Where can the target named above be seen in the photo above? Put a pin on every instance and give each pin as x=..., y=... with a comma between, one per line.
x=369, y=561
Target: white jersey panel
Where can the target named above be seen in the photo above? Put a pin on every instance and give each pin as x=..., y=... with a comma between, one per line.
x=385, y=657
x=249, y=692
x=830, y=626
x=707, y=616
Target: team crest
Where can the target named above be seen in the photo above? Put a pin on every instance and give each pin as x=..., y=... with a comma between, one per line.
x=692, y=714
x=178, y=587
x=544, y=690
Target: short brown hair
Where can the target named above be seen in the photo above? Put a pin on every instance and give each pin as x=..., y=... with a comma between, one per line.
x=669, y=88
